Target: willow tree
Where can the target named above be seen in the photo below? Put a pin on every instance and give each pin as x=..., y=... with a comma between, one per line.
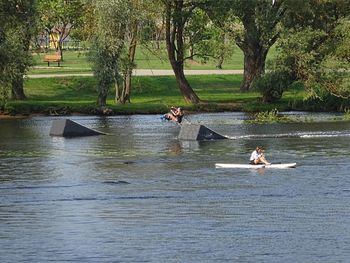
x=115, y=40
x=107, y=45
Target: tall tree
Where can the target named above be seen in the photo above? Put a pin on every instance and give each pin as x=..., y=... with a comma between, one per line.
x=177, y=14
x=115, y=42
x=255, y=27
x=18, y=27
x=139, y=14
x=108, y=45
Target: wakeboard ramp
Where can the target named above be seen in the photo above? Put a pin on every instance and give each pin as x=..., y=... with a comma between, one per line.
x=69, y=128
x=198, y=133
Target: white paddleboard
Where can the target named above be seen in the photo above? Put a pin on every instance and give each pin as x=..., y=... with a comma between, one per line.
x=257, y=166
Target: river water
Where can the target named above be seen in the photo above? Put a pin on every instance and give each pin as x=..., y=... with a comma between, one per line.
x=139, y=194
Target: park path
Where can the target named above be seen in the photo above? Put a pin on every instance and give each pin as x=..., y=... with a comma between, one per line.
x=147, y=72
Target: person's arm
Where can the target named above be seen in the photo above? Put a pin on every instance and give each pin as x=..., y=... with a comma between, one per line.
x=176, y=112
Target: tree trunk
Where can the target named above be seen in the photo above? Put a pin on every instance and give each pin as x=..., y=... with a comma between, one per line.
x=60, y=49
x=159, y=34
x=101, y=100
x=118, y=92
x=22, y=65
x=125, y=95
x=175, y=46
x=220, y=61
x=254, y=66
x=17, y=88
x=191, y=52
x=187, y=92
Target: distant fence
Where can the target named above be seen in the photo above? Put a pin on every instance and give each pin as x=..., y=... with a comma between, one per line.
x=43, y=44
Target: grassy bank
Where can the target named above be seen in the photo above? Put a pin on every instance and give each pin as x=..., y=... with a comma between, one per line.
x=63, y=96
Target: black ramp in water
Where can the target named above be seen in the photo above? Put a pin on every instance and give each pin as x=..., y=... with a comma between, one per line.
x=69, y=128
x=198, y=133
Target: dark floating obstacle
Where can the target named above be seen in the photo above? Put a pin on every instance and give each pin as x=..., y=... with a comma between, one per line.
x=198, y=133
x=69, y=128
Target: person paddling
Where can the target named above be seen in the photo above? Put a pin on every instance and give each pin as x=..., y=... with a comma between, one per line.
x=175, y=114
x=258, y=157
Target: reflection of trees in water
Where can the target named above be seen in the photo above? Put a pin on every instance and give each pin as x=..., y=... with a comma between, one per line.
x=177, y=147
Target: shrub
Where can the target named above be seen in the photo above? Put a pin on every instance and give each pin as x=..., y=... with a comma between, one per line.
x=272, y=85
x=4, y=96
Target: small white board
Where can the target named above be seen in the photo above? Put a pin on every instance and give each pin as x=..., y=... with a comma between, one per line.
x=256, y=166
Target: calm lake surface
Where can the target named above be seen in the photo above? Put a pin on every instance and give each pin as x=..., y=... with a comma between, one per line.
x=141, y=195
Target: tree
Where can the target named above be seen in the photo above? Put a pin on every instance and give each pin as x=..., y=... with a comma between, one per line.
x=177, y=14
x=220, y=44
x=315, y=50
x=139, y=14
x=18, y=27
x=196, y=35
x=255, y=25
x=60, y=17
x=153, y=27
x=115, y=41
x=108, y=45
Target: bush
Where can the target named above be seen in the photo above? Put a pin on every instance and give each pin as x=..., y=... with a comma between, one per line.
x=4, y=96
x=272, y=85
x=347, y=115
x=326, y=102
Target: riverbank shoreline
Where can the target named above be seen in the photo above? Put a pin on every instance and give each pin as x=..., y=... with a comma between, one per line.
x=107, y=112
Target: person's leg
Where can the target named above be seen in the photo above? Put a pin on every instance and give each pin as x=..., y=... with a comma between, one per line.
x=263, y=160
x=257, y=161
x=172, y=117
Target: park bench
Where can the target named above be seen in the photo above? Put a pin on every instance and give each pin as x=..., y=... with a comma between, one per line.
x=52, y=58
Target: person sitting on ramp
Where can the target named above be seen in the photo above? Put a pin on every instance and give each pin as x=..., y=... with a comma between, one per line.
x=176, y=114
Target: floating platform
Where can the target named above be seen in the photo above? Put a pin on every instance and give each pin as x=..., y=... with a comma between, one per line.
x=69, y=128
x=198, y=133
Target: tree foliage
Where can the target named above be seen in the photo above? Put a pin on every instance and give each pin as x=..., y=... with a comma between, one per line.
x=315, y=50
x=17, y=28
x=60, y=17
x=312, y=39
x=255, y=26
x=108, y=45
x=114, y=45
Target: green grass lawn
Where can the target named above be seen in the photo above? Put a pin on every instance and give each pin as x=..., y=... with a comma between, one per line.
x=77, y=62
x=149, y=95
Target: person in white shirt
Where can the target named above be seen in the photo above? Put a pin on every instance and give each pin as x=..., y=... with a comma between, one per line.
x=258, y=157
